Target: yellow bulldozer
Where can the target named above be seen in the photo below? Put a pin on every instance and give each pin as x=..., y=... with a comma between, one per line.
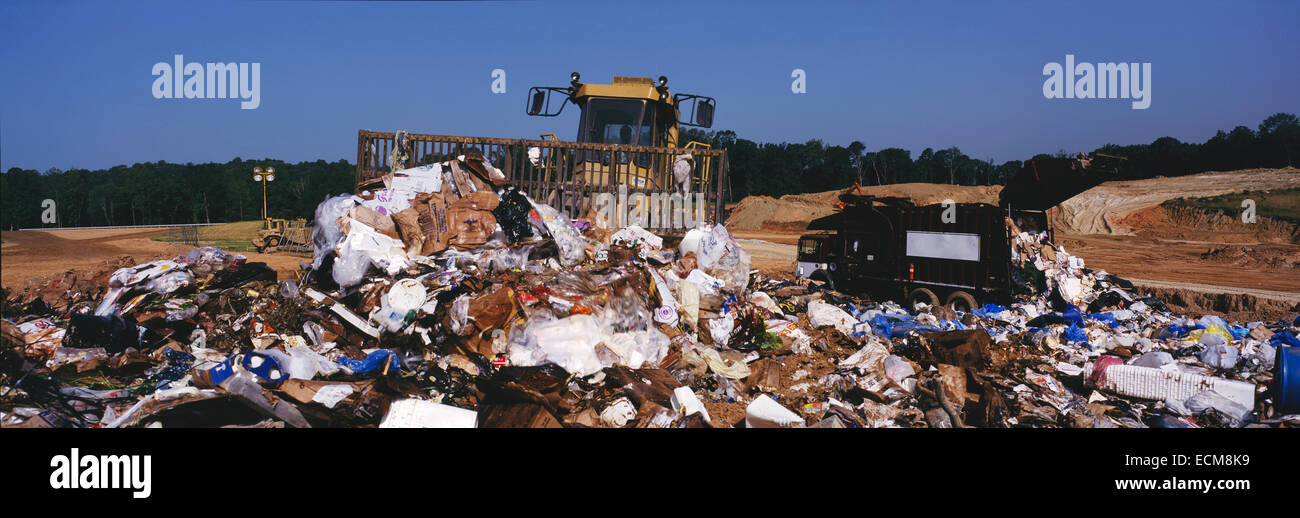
x=281, y=235
x=628, y=142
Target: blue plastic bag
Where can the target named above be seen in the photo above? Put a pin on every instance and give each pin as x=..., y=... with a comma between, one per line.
x=1179, y=330
x=374, y=361
x=881, y=326
x=1074, y=333
x=1284, y=338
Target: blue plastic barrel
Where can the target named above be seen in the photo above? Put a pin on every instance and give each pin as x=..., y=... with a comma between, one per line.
x=1288, y=380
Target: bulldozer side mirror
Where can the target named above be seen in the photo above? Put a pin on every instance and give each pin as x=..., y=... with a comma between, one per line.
x=700, y=111
x=704, y=115
x=539, y=100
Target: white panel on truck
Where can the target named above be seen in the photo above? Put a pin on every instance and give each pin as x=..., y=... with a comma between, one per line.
x=944, y=245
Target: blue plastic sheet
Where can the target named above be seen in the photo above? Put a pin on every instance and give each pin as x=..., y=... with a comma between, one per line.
x=1107, y=317
x=901, y=329
x=1238, y=332
x=374, y=361
x=1072, y=314
x=988, y=310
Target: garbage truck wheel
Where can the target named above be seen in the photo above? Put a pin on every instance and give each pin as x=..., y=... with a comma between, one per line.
x=821, y=275
x=962, y=301
x=922, y=295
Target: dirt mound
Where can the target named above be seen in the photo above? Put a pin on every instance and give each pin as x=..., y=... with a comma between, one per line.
x=1254, y=256
x=1110, y=208
x=792, y=212
x=1243, y=307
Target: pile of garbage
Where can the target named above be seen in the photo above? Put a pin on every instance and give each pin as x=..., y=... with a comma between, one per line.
x=441, y=296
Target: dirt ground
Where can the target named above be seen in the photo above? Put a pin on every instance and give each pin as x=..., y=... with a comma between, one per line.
x=1234, y=278
x=29, y=253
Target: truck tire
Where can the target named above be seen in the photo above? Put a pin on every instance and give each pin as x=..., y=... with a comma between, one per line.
x=822, y=275
x=962, y=301
x=922, y=295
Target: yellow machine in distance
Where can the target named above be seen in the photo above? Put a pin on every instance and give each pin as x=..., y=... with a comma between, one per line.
x=283, y=235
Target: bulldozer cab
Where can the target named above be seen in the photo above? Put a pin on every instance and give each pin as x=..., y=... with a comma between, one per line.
x=630, y=111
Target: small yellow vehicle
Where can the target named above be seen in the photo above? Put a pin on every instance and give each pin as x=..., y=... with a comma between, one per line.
x=283, y=235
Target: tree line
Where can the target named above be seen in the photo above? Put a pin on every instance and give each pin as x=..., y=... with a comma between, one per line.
x=166, y=193
x=776, y=169
x=155, y=193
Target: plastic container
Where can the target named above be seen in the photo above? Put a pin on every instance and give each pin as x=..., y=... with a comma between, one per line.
x=415, y=413
x=1288, y=380
x=763, y=412
x=1160, y=384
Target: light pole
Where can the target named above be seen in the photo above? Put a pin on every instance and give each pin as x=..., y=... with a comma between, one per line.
x=259, y=177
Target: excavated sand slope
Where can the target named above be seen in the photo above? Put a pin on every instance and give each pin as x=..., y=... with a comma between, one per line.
x=1100, y=209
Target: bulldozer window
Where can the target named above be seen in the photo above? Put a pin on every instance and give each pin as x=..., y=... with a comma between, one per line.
x=617, y=121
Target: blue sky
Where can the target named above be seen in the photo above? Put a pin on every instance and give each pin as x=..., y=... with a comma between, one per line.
x=76, y=87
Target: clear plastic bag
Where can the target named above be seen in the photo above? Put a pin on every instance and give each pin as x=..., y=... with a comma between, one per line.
x=572, y=246
x=327, y=234
x=169, y=282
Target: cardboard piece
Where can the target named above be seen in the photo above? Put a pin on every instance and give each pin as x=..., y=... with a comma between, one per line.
x=472, y=219
x=381, y=223
x=516, y=415
x=434, y=222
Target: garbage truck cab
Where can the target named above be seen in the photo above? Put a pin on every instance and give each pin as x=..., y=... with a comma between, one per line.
x=815, y=259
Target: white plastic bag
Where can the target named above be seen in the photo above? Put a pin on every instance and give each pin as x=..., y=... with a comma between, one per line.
x=823, y=314
x=327, y=234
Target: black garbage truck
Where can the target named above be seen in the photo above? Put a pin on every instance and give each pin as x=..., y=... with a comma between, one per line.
x=957, y=254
